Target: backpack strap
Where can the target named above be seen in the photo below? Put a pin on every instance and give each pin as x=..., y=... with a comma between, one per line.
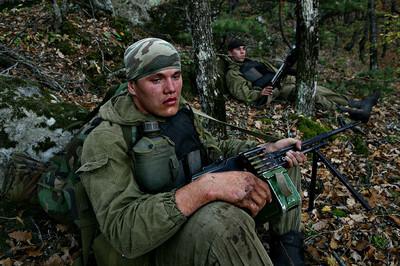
x=88, y=225
x=130, y=136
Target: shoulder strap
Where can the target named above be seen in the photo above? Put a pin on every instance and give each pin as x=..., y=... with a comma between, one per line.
x=266, y=137
x=130, y=135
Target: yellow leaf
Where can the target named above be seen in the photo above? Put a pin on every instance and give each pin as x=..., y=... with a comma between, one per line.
x=327, y=209
x=331, y=261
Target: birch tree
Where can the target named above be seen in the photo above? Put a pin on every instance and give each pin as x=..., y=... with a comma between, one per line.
x=211, y=99
x=308, y=44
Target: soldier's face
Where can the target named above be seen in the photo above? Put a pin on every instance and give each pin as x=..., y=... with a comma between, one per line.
x=159, y=93
x=238, y=54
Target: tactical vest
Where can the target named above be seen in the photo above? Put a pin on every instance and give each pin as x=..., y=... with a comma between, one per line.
x=169, y=154
x=257, y=73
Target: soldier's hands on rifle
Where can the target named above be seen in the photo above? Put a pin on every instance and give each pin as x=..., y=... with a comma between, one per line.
x=267, y=91
x=293, y=158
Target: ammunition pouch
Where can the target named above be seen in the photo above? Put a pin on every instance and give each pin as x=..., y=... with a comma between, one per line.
x=284, y=194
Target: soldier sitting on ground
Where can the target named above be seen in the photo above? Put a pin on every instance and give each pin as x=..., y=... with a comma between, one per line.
x=241, y=87
x=148, y=209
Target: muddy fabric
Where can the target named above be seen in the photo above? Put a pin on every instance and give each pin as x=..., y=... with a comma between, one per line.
x=242, y=89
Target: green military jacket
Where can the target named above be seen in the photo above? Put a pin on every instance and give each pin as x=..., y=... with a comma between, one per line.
x=238, y=86
x=133, y=222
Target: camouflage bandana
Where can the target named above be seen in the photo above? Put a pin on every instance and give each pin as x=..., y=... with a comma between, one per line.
x=148, y=56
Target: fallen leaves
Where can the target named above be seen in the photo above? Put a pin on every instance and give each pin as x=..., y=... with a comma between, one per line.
x=21, y=236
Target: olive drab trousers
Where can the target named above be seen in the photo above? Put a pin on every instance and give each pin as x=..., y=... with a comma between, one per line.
x=217, y=234
x=325, y=99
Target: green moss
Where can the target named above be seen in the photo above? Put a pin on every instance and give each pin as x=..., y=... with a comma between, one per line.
x=392, y=139
x=379, y=241
x=66, y=47
x=123, y=32
x=64, y=113
x=339, y=213
x=360, y=146
x=310, y=128
x=266, y=120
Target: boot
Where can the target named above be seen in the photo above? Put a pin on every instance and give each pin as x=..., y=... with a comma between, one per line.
x=357, y=114
x=368, y=101
x=288, y=249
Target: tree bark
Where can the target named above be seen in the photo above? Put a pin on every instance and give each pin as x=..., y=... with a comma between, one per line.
x=211, y=98
x=58, y=19
x=308, y=48
x=363, y=41
x=373, y=57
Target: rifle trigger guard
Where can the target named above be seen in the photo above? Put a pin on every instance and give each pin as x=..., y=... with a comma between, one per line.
x=283, y=186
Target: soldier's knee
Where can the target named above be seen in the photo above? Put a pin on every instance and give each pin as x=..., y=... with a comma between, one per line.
x=220, y=219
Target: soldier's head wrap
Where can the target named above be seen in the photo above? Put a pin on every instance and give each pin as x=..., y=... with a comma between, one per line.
x=235, y=43
x=148, y=56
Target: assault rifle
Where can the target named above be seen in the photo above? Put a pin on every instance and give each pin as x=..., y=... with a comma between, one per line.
x=270, y=168
x=283, y=70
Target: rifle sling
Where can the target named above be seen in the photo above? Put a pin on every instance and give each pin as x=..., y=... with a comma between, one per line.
x=266, y=137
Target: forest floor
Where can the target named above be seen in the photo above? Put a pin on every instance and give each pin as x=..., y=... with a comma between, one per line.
x=338, y=230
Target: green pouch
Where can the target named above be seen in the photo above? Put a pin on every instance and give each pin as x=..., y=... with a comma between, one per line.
x=284, y=193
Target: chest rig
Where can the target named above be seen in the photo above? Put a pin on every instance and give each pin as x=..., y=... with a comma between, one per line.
x=168, y=154
x=257, y=73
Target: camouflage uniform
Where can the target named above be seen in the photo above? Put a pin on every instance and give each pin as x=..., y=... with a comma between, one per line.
x=139, y=228
x=242, y=89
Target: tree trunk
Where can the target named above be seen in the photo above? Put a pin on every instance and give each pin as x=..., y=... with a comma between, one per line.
x=58, y=19
x=373, y=57
x=394, y=7
x=211, y=98
x=363, y=41
x=307, y=42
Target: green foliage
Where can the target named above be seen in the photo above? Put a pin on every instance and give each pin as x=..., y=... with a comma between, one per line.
x=342, y=6
x=66, y=113
x=391, y=30
x=309, y=128
x=266, y=121
x=169, y=18
x=123, y=30
x=364, y=83
x=18, y=4
x=339, y=213
x=392, y=139
x=379, y=241
x=188, y=76
x=360, y=146
x=225, y=25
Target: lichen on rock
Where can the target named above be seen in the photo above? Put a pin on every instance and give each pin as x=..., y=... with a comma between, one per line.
x=33, y=121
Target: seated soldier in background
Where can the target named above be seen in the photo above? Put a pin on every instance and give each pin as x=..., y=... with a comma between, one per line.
x=241, y=87
x=148, y=209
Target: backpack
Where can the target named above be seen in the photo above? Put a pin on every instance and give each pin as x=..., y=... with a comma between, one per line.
x=59, y=190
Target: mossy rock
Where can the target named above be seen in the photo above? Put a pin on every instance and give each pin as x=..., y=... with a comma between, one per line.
x=33, y=120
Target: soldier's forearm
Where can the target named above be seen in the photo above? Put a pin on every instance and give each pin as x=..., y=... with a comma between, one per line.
x=194, y=195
